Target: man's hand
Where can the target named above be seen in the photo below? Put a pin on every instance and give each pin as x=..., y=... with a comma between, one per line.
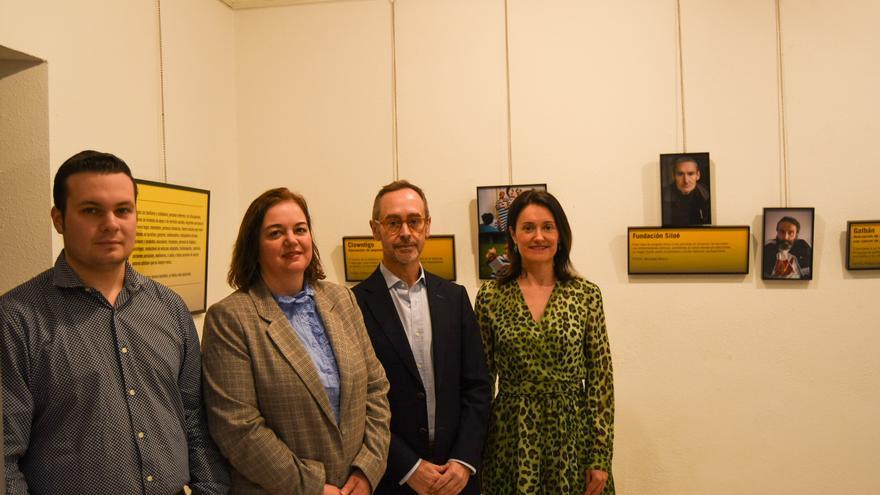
x=453, y=480
x=596, y=480
x=424, y=477
x=357, y=484
x=331, y=490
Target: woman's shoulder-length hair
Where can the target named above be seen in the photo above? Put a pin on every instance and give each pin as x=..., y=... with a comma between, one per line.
x=562, y=266
x=244, y=270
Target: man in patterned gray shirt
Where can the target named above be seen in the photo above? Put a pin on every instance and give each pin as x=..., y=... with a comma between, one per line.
x=101, y=365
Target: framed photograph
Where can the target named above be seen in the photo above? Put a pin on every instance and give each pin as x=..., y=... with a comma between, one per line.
x=788, y=244
x=492, y=205
x=863, y=245
x=685, y=189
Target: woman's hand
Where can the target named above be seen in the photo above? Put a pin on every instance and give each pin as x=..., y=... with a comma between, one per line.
x=331, y=490
x=596, y=480
x=357, y=484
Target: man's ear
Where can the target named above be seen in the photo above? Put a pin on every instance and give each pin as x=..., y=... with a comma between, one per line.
x=374, y=226
x=57, y=220
x=427, y=227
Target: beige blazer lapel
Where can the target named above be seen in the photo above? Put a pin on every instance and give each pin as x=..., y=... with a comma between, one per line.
x=290, y=346
x=335, y=326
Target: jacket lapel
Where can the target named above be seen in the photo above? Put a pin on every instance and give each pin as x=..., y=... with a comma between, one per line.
x=285, y=338
x=438, y=303
x=380, y=304
x=338, y=334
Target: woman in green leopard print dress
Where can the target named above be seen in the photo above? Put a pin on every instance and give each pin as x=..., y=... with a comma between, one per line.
x=551, y=429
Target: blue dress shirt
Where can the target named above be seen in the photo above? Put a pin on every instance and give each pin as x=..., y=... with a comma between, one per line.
x=303, y=316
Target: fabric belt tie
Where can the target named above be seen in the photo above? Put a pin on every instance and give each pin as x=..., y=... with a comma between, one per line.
x=549, y=387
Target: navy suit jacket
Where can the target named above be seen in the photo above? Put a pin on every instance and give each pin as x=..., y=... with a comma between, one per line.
x=462, y=386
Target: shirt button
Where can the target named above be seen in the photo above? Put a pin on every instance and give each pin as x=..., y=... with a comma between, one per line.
x=131, y=391
x=140, y=434
x=124, y=350
x=149, y=477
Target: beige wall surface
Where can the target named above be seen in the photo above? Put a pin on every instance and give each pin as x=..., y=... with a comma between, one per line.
x=104, y=85
x=25, y=245
x=721, y=381
x=314, y=112
x=200, y=119
x=452, y=112
x=103, y=77
x=725, y=384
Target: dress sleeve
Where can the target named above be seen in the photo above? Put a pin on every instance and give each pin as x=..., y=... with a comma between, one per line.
x=600, y=385
x=483, y=311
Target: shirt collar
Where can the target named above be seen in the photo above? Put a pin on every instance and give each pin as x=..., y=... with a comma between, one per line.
x=303, y=296
x=391, y=279
x=65, y=276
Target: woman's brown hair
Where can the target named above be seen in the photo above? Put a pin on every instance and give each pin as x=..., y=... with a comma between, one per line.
x=562, y=267
x=244, y=271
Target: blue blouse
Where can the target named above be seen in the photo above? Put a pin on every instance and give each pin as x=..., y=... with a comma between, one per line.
x=303, y=316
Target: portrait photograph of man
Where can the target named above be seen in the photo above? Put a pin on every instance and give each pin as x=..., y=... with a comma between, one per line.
x=685, y=190
x=788, y=244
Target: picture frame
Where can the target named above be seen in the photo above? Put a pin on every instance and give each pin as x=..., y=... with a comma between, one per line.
x=361, y=254
x=492, y=205
x=693, y=250
x=685, y=189
x=171, y=242
x=863, y=245
x=787, y=244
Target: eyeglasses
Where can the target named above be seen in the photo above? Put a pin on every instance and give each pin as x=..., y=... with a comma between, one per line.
x=393, y=225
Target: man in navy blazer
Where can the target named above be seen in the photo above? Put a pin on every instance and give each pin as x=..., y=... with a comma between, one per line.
x=425, y=334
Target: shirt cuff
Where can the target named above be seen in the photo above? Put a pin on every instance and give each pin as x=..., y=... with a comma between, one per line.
x=410, y=473
x=470, y=468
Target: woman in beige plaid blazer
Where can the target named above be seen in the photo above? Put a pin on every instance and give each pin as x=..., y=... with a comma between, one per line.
x=268, y=409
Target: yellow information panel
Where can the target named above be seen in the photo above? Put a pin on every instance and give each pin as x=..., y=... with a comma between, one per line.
x=172, y=239
x=685, y=250
x=362, y=254
x=863, y=245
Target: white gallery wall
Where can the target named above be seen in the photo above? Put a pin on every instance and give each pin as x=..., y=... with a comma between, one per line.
x=105, y=93
x=724, y=384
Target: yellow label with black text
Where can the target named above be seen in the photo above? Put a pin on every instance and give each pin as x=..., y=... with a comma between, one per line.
x=864, y=245
x=363, y=254
x=711, y=250
x=172, y=239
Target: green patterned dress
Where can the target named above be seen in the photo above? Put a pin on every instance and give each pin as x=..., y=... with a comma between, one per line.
x=553, y=417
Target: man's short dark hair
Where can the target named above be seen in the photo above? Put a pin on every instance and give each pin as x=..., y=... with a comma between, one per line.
x=92, y=161
x=396, y=186
x=487, y=218
x=791, y=220
x=685, y=159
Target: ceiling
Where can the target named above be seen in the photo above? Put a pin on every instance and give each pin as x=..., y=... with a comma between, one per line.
x=255, y=4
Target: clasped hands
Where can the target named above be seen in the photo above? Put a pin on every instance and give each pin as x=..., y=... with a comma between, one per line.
x=357, y=484
x=433, y=479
